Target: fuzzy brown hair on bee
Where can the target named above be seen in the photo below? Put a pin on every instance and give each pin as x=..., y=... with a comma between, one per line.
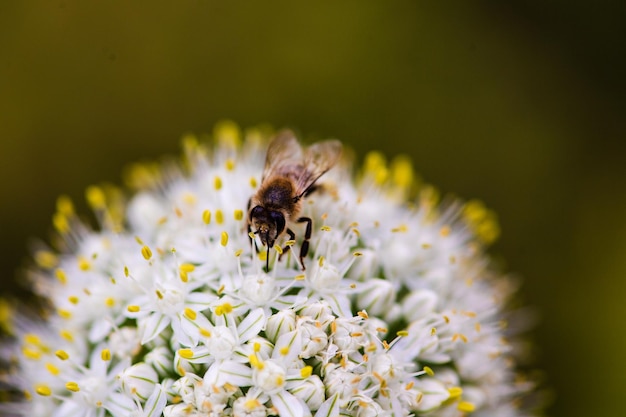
x=290, y=174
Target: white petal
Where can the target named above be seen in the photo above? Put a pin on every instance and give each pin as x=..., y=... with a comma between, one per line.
x=287, y=404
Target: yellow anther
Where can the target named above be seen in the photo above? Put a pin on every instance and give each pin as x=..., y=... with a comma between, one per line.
x=262, y=255
x=46, y=259
x=409, y=386
x=185, y=353
x=224, y=239
x=206, y=216
x=219, y=217
x=251, y=403
x=84, y=264
x=253, y=182
x=52, y=369
x=238, y=252
x=67, y=335
x=433, y=331
x=217, y=183
x=455, y=392
x=190, y=199
x=60, y=275
x=280, y=380
x=290, y=242
x=306, y=372
x=146, y=252
x=429, y=371
x=300, y=277
x=321, y=261
x=72, y=386
x=278, y=249
x=403, y=228
x=60, y=223
x=73, y=299
x=238, y=214
x=126, y=272
x=65, y=314
x=43, y=390
x=109, y=302
x=255, y=362
x=133, y=309
x=466, y=406
x=32, y=339
x=230, y=164
x=31, y=354
x=426, y=245
x=227, y=133
x=105, y=355
x=402, y=171
x=95, y=197
x=402, y=333
x=363, y=314
x=482, y=221
x=159, y=294
x=61, y=354
x=284, y=350
x=357, y=254
x=190, y=314
x=446, y=319
x=65, y=206
x=477, y=327
x=445, y=231
x=204, y=332
x=325, y=228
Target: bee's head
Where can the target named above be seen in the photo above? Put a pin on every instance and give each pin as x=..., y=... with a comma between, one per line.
x=269, y=224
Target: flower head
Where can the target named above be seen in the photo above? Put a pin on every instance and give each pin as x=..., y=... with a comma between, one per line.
x=171, y=307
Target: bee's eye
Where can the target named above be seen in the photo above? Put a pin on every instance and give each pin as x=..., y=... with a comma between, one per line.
x=279, y=220
x=257, y=212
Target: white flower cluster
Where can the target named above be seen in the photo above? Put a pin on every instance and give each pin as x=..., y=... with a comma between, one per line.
x=168, y=310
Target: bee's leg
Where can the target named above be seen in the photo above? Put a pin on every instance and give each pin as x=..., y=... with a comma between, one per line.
x=304, y=249
x=292, y=236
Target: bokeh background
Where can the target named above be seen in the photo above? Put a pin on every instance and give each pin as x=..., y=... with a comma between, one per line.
x=520, y=105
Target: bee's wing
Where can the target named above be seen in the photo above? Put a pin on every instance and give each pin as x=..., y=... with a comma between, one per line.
x=284, y=156
x=318, y=158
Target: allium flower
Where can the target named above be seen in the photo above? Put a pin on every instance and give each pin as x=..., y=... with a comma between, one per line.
x=167, y=308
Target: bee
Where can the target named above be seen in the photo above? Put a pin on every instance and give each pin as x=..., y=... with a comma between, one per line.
x=290, y=174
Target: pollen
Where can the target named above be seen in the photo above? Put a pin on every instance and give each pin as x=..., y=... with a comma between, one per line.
x=146, y=253
x=455, y=392
x=185, y=353
x=61, y=354
x=60, y=223
x=72, y=386
x=402, y=333
x=105, y=355
x=278, y=249
x=133, y=308
x=190, y=314
x=238, y=214
x=253, y=182
x=429, y=371
x=204, y=332
x=73, y=299
x=219, y=217
x=60, y=275
x=230, y=164
x=46, y=259
x=67, y=335
x=224, y=239
x=52, y=369
x=65, y=314
x=284, y=350
x=466, y=407
x=217, y=183
x=43, y=390
x=206, y=216
x=95, y=197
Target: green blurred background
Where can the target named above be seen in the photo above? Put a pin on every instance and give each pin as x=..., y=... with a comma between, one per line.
x=520, y=105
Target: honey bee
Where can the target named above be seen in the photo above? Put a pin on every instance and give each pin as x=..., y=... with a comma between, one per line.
x=290, y=174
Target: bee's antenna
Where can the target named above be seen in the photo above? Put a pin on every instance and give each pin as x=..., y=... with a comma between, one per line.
x=267, y=260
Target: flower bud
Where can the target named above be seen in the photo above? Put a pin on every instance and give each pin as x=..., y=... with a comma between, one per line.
x=138, y=380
